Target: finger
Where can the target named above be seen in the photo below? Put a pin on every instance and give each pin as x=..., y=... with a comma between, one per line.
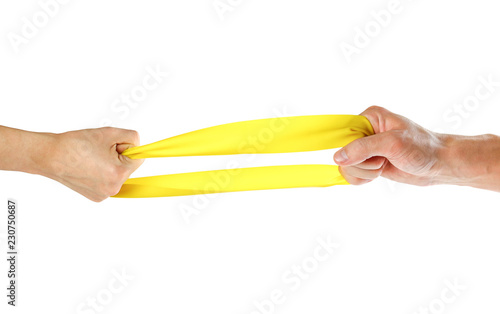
x=126, y=139
x=374, y=114
x=124, y=136
x=361, y=173
x=352, y=180
x=393, y=173
x=372, y=163
x=120, y=148
x=134, y=163
x=83, y=190
x=128, y=168
x=364, y=148
x=383, y=120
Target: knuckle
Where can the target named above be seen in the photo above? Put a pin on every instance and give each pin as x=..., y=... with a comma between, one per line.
x=376, y=111
x=107, y=130
x=134, y=134
x=375, y=108
x=130, y=135
x=102, y=134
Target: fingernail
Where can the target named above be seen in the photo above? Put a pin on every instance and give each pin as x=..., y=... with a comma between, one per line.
x=341, y=156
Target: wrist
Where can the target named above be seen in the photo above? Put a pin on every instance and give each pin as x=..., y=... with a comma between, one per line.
x=25, y=151
x=40, y=154
x=470, y=161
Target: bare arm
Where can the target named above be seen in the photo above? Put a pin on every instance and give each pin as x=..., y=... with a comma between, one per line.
x=405, y=152
x=87, y=161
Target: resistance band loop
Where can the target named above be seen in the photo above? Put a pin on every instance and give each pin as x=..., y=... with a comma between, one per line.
x=263, y=136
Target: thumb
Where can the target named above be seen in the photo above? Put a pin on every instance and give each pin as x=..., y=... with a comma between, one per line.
x=133, y=163
x=120, y=148
x=365, y=148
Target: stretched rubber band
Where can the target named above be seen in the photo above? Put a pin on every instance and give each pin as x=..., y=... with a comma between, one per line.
x=263, y=136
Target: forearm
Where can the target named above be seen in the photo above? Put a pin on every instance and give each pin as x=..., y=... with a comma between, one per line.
x=471, y=161
x=87, y=161
x=25, y=151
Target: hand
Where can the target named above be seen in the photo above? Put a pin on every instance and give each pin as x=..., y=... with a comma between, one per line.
x=405, y=152
x=90, y=161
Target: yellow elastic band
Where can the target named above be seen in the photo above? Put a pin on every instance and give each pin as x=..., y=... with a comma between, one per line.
x=275, y=135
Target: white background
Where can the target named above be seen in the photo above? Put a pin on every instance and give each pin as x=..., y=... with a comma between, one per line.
x=398, y=244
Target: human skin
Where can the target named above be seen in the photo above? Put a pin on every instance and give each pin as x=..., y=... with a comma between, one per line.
x=403, y=151
x=90, y=161
x=87, y=161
